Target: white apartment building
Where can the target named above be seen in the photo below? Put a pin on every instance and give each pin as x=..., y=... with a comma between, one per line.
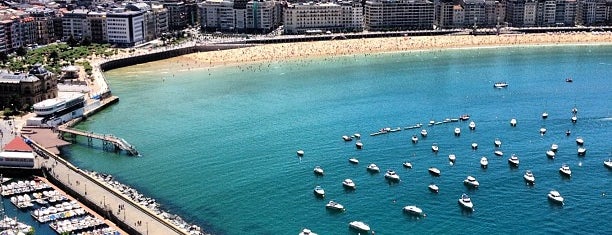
x=74, y=24
x=217, y=15
x=125, y=28
x=337, y=16
x=262, y=15
x=221, y=15
x=381, y=15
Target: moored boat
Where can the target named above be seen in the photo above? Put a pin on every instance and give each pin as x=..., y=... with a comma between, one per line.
x=434, y=147
x=542, y=131
x=498, y=153
x=500, y=85
x=544, y=115
x=579, y=140
x=360, y=226
x=581, y=151
x=300, y=153
x=452, y=157
x=472, y=125
x=513, y=122
x=464, y=117
x=466, y=202
x=373, y=168
x=434, y=171
x=332, y=205
x=407, y=165
x=353, y=160
x=484, y=162
x=565, y=170
x=497, y=142
x=347, y=138
x=554, y=147
x=568, y=133
x=474, y=146
x=513, y=160
x=318, y=170
x=434, y=188
x=414, y=210
x=457, y=131
x=608, y=163
x=391, y=175
x=359, y=145
x=415, y=139
x=550, y=154
x=307, y=232
x=555, y=197
x=424, y=133
x=319, y=191
x=471, y=181
x=349, y=184
x=529, y=177
x=574, y=118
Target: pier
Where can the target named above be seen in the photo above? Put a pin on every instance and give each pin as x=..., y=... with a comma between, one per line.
x=109, y=142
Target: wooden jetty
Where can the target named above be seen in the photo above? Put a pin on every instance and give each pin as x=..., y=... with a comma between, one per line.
x=108, y=141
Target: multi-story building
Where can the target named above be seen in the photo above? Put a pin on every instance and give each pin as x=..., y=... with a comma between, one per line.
x=160, y=16
x=217, y=15
x=45, y=20
x=591, y=12
x=257, y=16
x=177, y=14
x=96, y=25
x=74, y=24
x=18, y=90
x=529, y=13
x=262, y=16
x=125, y=27
x=381, y=15
x=337, y=16
x=17, y=29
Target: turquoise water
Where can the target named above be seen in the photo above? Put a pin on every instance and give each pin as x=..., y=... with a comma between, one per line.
x=219, y=144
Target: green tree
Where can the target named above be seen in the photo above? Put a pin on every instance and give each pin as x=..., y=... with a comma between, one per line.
x=21, y=51
x=3, y=57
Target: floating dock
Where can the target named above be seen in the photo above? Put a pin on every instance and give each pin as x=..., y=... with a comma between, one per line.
x=107, y=140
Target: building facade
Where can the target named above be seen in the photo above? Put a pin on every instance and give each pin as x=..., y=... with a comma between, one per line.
x=18, y=90
x=340, y=16
x=389, y=15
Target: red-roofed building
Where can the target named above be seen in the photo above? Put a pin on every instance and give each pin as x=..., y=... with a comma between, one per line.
x=17, y=145
x=17, y=154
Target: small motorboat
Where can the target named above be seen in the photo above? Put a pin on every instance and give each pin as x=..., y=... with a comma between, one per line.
x=542, y=131
x=565, y=170
x=574, y=110
x=434, y=188
x=500, y=85
x=497, y=142
x=457, y=131
x=354, y=160
x=434, y=147
x=579, y=140
x=498, y=153
x=544, y=115
x=574, y=118
x=484, y=162
x=432, y=122
x=319, y=191
x=360, y=226
x=581, y=151
x=424, y=133
x=434, y=171
x=347, y=138
x=391, y=175
x=472, y=125
x=318, y=170
x=528, y=176
x=466, y=202
x=349, y=184
x=415, y=139
x=513, y=160
x=307, y=232
x=373, y=168
x=464, y=117
x=550, y=154
x=413, y=210
x=471, y=181
x=608, y=163
x=555, y=197
x=474, y=146
x=513, y=122
x=407, y=165
x=332, y=205
x=568, y=133
x=452, y=157
x=359, y=145
x=300, y=153
x=554, y=147
x=569, y=79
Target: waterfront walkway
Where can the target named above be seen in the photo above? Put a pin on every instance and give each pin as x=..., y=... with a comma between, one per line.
x=118, y=143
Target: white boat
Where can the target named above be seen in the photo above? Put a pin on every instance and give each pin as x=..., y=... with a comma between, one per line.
x=348, y=183
x=319, y=191
x=529, y=177
x=474, y=146
x=434, y=147
x=513, y=122
x=568, y=132
x=357, y=136
x=358, y=225
x=332, y=205
x=434, y=188
x=353, y=160
x=414, y=210
x=457, y=131
x=432, y=122
x=300, y=153
x=498, y=153
x=391, y=175
x=452, y=157
x=347, y=138
x=574, y=119
x=542, y=131
x=550, y=154
x=500, y=85
x=579, y=140
x=608, y=163
x=544, y=115
x=407, y=165
x=359, y=145
x=424, y=133
x=574, y=110
x=466, y=202
x=513, y=160
x=318, y=170
x=484, y=162
x=464, y=117
x=373, y=168
x=415, y=139
x=565, y=170
x=472, y=125
x=307, y=232
x=554, y=147
x=497, y=142
x=555, y=196
x=471, y=181
x=581, y=151
x=434, y=171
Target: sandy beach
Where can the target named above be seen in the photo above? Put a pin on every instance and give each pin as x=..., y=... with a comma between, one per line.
x=285, y=51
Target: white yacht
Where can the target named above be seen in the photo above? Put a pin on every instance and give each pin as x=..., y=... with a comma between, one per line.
x=452, y=157
x=484, y=162
x=529, y=177
x=358, y=225
x=434, y=147
x=349, y=184
x=415, y=139
x=574, y=110
x=497, y=142
x=581, y=151
x=359, y=145
x=434, y=188
x=474, y=146
x=579, y=140
x=555, y=196
x=347, y=138
x=434, y=171
x=574, y=118
x=554, y=147
x=354, y=160
x=513, y=160
x=498, y=153
x=471, y=181
x=391, y=175
x=357, y=136
x=332, y=205
x=414, y=210
x=500, y=85
x=407, y=165
x=300, y=153
x=550, y=154
x=472, y=125
x=319, y=191
x=513, y=122
x=565, y=170
x=466, y=202
x=318, y=170
x=373, y=168
x=307, y=232
x=544, y=115
x=457, y=131
x=608, y=163
x=424, y=133
x=542, y=131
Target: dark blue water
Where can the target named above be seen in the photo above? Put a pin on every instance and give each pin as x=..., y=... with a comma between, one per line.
x=219, y=144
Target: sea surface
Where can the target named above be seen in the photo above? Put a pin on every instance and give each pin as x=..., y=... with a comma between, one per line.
x=219, y=144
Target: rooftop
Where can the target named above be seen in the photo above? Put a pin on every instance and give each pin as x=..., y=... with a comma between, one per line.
x=17, y=145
